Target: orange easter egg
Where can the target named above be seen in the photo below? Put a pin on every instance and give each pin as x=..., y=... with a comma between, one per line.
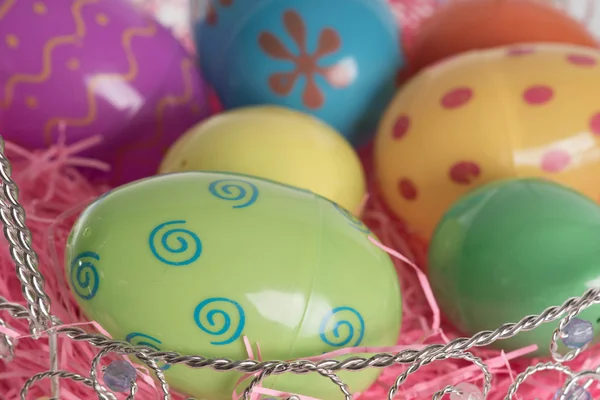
x=463, y=25
x=515, y=111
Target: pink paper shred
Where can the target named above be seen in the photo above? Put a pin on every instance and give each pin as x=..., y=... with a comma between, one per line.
x=53, y=193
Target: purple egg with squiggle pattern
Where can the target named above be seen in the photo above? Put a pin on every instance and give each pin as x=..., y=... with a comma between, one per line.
x=80, y=68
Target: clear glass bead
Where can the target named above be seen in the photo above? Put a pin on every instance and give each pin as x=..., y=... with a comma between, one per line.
x=577, y=333
x=119, y=376
x=469, y=392
x=576, y=393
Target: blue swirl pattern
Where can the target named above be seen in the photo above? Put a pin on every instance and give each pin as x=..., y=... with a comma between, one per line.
x=145, y=340
x=84, y=277
x=181, y=255
x=355, y=327
x=238, y=190
x=353, y=220
x=229, y=330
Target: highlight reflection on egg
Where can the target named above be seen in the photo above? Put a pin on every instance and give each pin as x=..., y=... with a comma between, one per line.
x=514, y=248
x=528, y=110
x=202, y=259
x=80, y=68
x=294, y=54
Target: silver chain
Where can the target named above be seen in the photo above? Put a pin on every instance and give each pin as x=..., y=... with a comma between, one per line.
x=37, y=312
x=19, y=242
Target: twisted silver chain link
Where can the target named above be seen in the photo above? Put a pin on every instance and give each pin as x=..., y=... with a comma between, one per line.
x=37, y=312
x=19, y=242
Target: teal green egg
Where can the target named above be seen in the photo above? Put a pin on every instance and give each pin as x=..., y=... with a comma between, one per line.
x=511, y=249
x=194, y=262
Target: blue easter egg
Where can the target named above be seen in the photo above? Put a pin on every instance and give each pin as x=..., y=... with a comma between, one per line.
x=334, y=59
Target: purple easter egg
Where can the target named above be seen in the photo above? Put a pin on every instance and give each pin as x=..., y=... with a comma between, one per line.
x=80, y=68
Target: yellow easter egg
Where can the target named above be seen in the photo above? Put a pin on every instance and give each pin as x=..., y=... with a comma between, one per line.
x=530, y=110
x=275, y=143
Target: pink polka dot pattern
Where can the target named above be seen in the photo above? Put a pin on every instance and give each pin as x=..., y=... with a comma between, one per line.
x=489, y=114
x=595, y=124
x=407, y=189
x=520, y=51
x=464, y=172
x=401, y=127
x=538, y=94
x=555, y=161
x=457, y=97
x=581, y=60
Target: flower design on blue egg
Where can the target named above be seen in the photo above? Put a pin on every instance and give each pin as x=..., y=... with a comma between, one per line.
x=305, y=64
x=342, y=317
x=242, y=192
x=141, y=339
x=83, y=275
x=230, y=323
x=189, y=246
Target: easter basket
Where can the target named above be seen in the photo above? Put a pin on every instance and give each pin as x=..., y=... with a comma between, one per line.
x=49, y=331
x=43, y=324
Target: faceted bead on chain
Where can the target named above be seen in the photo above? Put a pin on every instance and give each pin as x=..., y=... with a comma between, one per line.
x=577, y=333
x=576, y=393
x=119, y=376
x=468, y=392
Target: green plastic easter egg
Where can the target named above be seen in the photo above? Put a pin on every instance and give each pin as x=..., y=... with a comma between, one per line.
x=512, y=249
x=194, y=262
